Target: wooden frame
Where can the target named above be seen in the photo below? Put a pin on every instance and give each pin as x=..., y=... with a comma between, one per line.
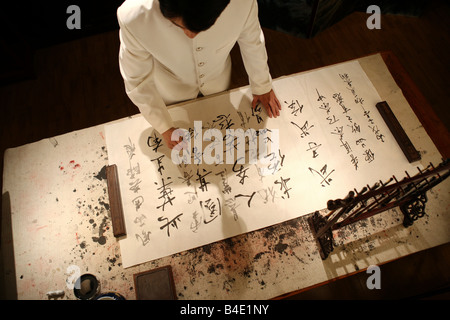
x=161, y=278
x=423, y=110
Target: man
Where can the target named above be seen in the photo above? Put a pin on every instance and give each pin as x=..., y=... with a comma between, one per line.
x=172, y=50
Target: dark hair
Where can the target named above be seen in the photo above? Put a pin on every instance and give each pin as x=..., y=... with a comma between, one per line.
x=197, y=15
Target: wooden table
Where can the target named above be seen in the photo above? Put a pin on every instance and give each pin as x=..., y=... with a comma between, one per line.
x=55, y=196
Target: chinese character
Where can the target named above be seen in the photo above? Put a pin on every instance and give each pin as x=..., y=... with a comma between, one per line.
x=225, y=122
x=169, y=223
x=213, y=210
x=133, y=170
x=346, y=146
x=323, y=175
x=295, y=107
x=320, y=96
x=145, y=237
x=361, y=142
x=339, y=131
x=265, y=193
x=165, y=192
x=304, y=129
x=202, y=180
x=369, y=155
x=379, y=135
x=154, y=142
x=135, y=185
x=138, y=201
x=159, y=162
x=354, y=161
x=256, y=113
x=130, y=148
x=313, y=147
x=241, y=172
x=140, y=220
x=249, y=196
x=332, y=120
x=186, y=177
x=283, y=185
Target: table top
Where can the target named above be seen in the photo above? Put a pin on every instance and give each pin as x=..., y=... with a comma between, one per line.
x=55, y=196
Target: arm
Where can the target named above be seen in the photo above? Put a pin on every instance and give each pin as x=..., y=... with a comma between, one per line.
x=136, y=66
x=254, y=55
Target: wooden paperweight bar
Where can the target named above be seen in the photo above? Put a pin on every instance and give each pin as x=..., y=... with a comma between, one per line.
x=115, y=201
x=397, y=131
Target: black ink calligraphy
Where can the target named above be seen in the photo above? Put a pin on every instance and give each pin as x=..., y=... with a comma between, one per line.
x=241, y=172
x=169, y=223
x=250, y=196
x=304, y=129
x=283, y=186
x=323, y=174
x=295, y=107
x=202, y=180
x=165, y=194
x=159, y=163
x=154, y=142
x=144, y=237
x=211, y=210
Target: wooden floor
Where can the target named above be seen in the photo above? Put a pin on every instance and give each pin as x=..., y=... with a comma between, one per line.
x=78, y=85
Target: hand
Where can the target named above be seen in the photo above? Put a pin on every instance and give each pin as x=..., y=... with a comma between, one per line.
x=167, y=136
x=269, y=101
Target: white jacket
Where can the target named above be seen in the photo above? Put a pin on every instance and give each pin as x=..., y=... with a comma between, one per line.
x=160, y=65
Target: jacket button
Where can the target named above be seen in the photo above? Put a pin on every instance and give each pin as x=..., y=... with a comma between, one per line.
x=201, y=64
x=199, y=48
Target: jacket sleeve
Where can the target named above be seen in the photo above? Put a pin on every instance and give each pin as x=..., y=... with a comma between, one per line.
x=254, y=55
x=137, y=68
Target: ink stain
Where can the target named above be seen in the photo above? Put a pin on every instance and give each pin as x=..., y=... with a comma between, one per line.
x=100, y=240
x=212, y=268
x=102, y=174
x=92, y=221
x=106, y=205
x=113, y=261
x=281, y=247
x=207, y=249
x=247, y=272
x=259, y=255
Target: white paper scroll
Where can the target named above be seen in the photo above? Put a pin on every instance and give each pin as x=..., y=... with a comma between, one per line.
x=331, y=140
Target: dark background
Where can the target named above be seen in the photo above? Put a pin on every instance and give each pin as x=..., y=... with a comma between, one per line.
x=31, y=25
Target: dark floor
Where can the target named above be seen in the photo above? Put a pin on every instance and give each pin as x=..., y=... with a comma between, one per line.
x=78, y=85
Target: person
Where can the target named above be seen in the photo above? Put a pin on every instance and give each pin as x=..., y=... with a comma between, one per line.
x=174, y=50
